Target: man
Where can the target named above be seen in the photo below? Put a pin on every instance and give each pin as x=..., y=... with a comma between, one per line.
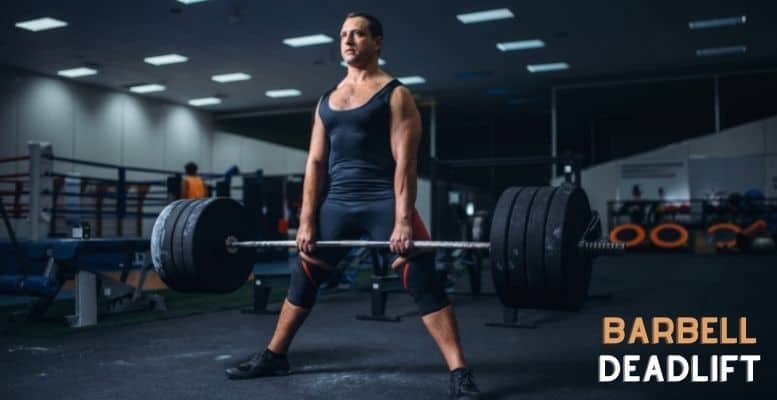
x=360, y=179
x=192, y=186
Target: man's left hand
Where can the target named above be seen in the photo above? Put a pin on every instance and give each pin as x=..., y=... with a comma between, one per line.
x=401, y=239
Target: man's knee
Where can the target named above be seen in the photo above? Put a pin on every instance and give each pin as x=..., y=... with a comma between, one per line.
x=304, y=283
x=421, y=280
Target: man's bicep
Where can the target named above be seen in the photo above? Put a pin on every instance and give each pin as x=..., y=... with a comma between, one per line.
x=406, y=123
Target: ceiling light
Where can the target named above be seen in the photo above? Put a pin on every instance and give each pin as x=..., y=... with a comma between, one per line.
x=412, y=80
x=41, y=24
x=205, y=101
x=720, y=51
x=166, y=59
x=380, y=62
x=547, y=67
x=483, y=16
x=147, y=88
x=187, y=2
x=234, y=77
x=520, y=45
x=77, y=72
x=717, y=22
x=282, y=93
x=307, y=40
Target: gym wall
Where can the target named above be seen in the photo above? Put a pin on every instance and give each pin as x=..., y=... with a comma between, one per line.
x=251, y=154
x=749, y=149
x=99, y=125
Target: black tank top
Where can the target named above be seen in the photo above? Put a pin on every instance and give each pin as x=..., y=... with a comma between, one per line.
x=361, y=165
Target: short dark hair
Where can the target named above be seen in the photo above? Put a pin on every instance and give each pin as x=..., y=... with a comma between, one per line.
x=190, y=168
x=373, y=23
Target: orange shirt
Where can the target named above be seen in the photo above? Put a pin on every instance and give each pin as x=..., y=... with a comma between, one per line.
x=194, y=188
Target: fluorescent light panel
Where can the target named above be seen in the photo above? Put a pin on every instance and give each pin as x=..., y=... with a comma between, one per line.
x=187, y=2
x=380, y=62
x=233, y=77
x=76, y=72
x=520, y=45
x=307, y=40
x=720, y=51
x=205, y=101
x=153, y=87
x=282, y=93
x=41, y=24
x=166, y=59
x=547, y=67
x=412, y=80
x=717, y=22
x=483, y=16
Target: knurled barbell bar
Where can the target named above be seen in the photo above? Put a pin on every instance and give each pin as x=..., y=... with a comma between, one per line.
x=540, y=246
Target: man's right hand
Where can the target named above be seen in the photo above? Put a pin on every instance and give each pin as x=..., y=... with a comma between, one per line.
x=306, y=241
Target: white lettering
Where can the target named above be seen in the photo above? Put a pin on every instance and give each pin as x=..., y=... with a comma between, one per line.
x=749, y=360
x=695, y=377
x=629, y=367
x=672, y=360
x=726, y=369
x=653, y=370
x=611, y=360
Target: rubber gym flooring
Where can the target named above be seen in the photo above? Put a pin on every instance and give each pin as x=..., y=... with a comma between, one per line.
x=338, y=357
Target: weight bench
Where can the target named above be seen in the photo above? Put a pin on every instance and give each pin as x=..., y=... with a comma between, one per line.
x=83, y=260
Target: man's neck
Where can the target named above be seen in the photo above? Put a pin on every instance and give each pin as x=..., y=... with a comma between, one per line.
x=359, y=74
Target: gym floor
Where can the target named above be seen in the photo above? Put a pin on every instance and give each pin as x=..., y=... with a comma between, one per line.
x=337, y=356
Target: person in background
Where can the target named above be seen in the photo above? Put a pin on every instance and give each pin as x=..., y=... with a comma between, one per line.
x=192, y=185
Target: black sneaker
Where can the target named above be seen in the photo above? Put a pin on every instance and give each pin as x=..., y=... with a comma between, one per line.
x=260, y=365
x=463, y=385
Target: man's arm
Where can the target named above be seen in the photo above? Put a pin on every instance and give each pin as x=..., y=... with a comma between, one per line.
x=315, y=176
x=405, y=138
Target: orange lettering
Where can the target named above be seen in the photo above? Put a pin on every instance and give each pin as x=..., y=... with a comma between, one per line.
x=707, y=330
x=687, y=330
x=662, y=333
x=638, y=332
x=724, y=339
x=743, y=339
x=613, y=330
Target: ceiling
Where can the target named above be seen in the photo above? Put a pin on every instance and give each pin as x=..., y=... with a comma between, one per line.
x=600, y=40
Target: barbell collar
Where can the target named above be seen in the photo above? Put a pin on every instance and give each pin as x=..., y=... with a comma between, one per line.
x=601, y=248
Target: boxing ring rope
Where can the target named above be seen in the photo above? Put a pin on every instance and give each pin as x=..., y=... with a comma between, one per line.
x=36, y=189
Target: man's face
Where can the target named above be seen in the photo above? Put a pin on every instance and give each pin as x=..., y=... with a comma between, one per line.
x=357, y=46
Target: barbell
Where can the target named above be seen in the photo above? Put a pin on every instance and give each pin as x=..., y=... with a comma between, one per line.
x=541, y=246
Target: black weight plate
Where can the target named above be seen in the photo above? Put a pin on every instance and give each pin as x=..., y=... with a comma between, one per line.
x=575, y=265
x=169, y=272
x=207, y=228
x=536, y=294
x=516, y=245
x=568, y=218
x=158, y=234
x=554, y=237
x=185, y=280
x=201, y=281
x=498, y=239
